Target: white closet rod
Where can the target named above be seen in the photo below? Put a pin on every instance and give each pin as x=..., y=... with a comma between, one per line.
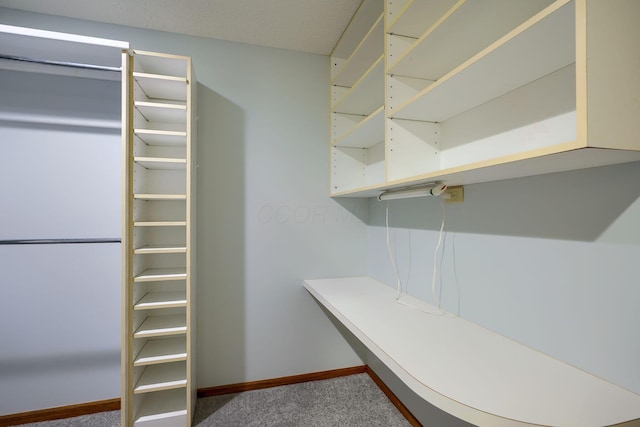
x=60, y=63
x=58, y=241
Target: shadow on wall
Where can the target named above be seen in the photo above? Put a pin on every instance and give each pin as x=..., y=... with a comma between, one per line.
x=577, y=205
x=221, y=239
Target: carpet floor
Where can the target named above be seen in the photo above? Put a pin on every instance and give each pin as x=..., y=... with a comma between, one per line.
x=350, y=401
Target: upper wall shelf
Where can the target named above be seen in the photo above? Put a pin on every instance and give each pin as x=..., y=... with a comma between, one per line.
x=477, y=91
x=466, y=370
x=521, y=57
x=61, y=48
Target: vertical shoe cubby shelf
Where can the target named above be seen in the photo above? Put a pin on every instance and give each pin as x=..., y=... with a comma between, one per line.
x=357, y=102
x=159, y=221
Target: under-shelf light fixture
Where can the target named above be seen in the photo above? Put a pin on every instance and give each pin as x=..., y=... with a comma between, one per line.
x=433, y=189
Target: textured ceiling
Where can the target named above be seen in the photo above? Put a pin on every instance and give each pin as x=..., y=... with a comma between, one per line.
x=303, y=25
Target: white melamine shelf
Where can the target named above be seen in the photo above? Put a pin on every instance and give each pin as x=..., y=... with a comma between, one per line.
x=364, y=18
x=161, y=137
x=141, y=196
x=161, y=274
x=161, y=163
x=367, y=52
x=459, y=32
x=162, y=377
x=162, y=111
x=366, y=95
x=162, y=351
x=469, y=371
x=160, y=63
x=160, y=249
x=158, y=326
x=521, y=56
x=416, y=16
x=64, y=48
x=366, y=133
x=155, y=300
x=160, y=223
x=157, y=86
x=562, y=157
x=165, y=408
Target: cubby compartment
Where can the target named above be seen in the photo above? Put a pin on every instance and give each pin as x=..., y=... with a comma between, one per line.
x=452, y=33
x=160, y=323
x=155, y=378
x=360, y=44
x=357, y=168
x=154, y=296
x=539, y=115
x=161, y=408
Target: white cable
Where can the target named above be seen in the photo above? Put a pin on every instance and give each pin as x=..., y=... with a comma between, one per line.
x=435, y=258
x=455, y=269
x=440, y=312
x=393, y=261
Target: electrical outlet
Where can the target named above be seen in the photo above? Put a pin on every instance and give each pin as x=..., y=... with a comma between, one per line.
x=454, y=194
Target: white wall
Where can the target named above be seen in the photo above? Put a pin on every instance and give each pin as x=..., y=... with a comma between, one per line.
x=265, y=220
x=549, y=261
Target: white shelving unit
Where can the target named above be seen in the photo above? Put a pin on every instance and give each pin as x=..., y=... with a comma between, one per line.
x=483, y=90
x=159, y=245
x=357, y=99
x=469, y=371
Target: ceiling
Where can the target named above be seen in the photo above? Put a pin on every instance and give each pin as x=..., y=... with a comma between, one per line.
x=303, y=25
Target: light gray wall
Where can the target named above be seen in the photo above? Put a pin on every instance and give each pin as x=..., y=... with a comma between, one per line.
x=265, y=221
x=549, y=261
x=60, y=303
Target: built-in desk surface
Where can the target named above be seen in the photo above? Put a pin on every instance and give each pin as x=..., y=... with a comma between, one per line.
x=469, y=371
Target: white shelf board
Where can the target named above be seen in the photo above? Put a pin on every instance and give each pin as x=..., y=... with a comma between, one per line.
x=368, y=132
x=559, y=158
x=161, y=163
x=161, y=137
x=367, y=52
x=162, y=111
x=367, y=95
x=160, y=63
x=161, y=274
x=162, y=351
x=365, y=16
x=162, y=377
x=159, y=223
x=62, y=47
x=160, y=249
x=157, y=86
x=459, y=32
x=540, y=46
x=141, y=196
x=469, y=371
x=157, y=326
x=417, y=16
x=163, y=409
x=155, y=300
